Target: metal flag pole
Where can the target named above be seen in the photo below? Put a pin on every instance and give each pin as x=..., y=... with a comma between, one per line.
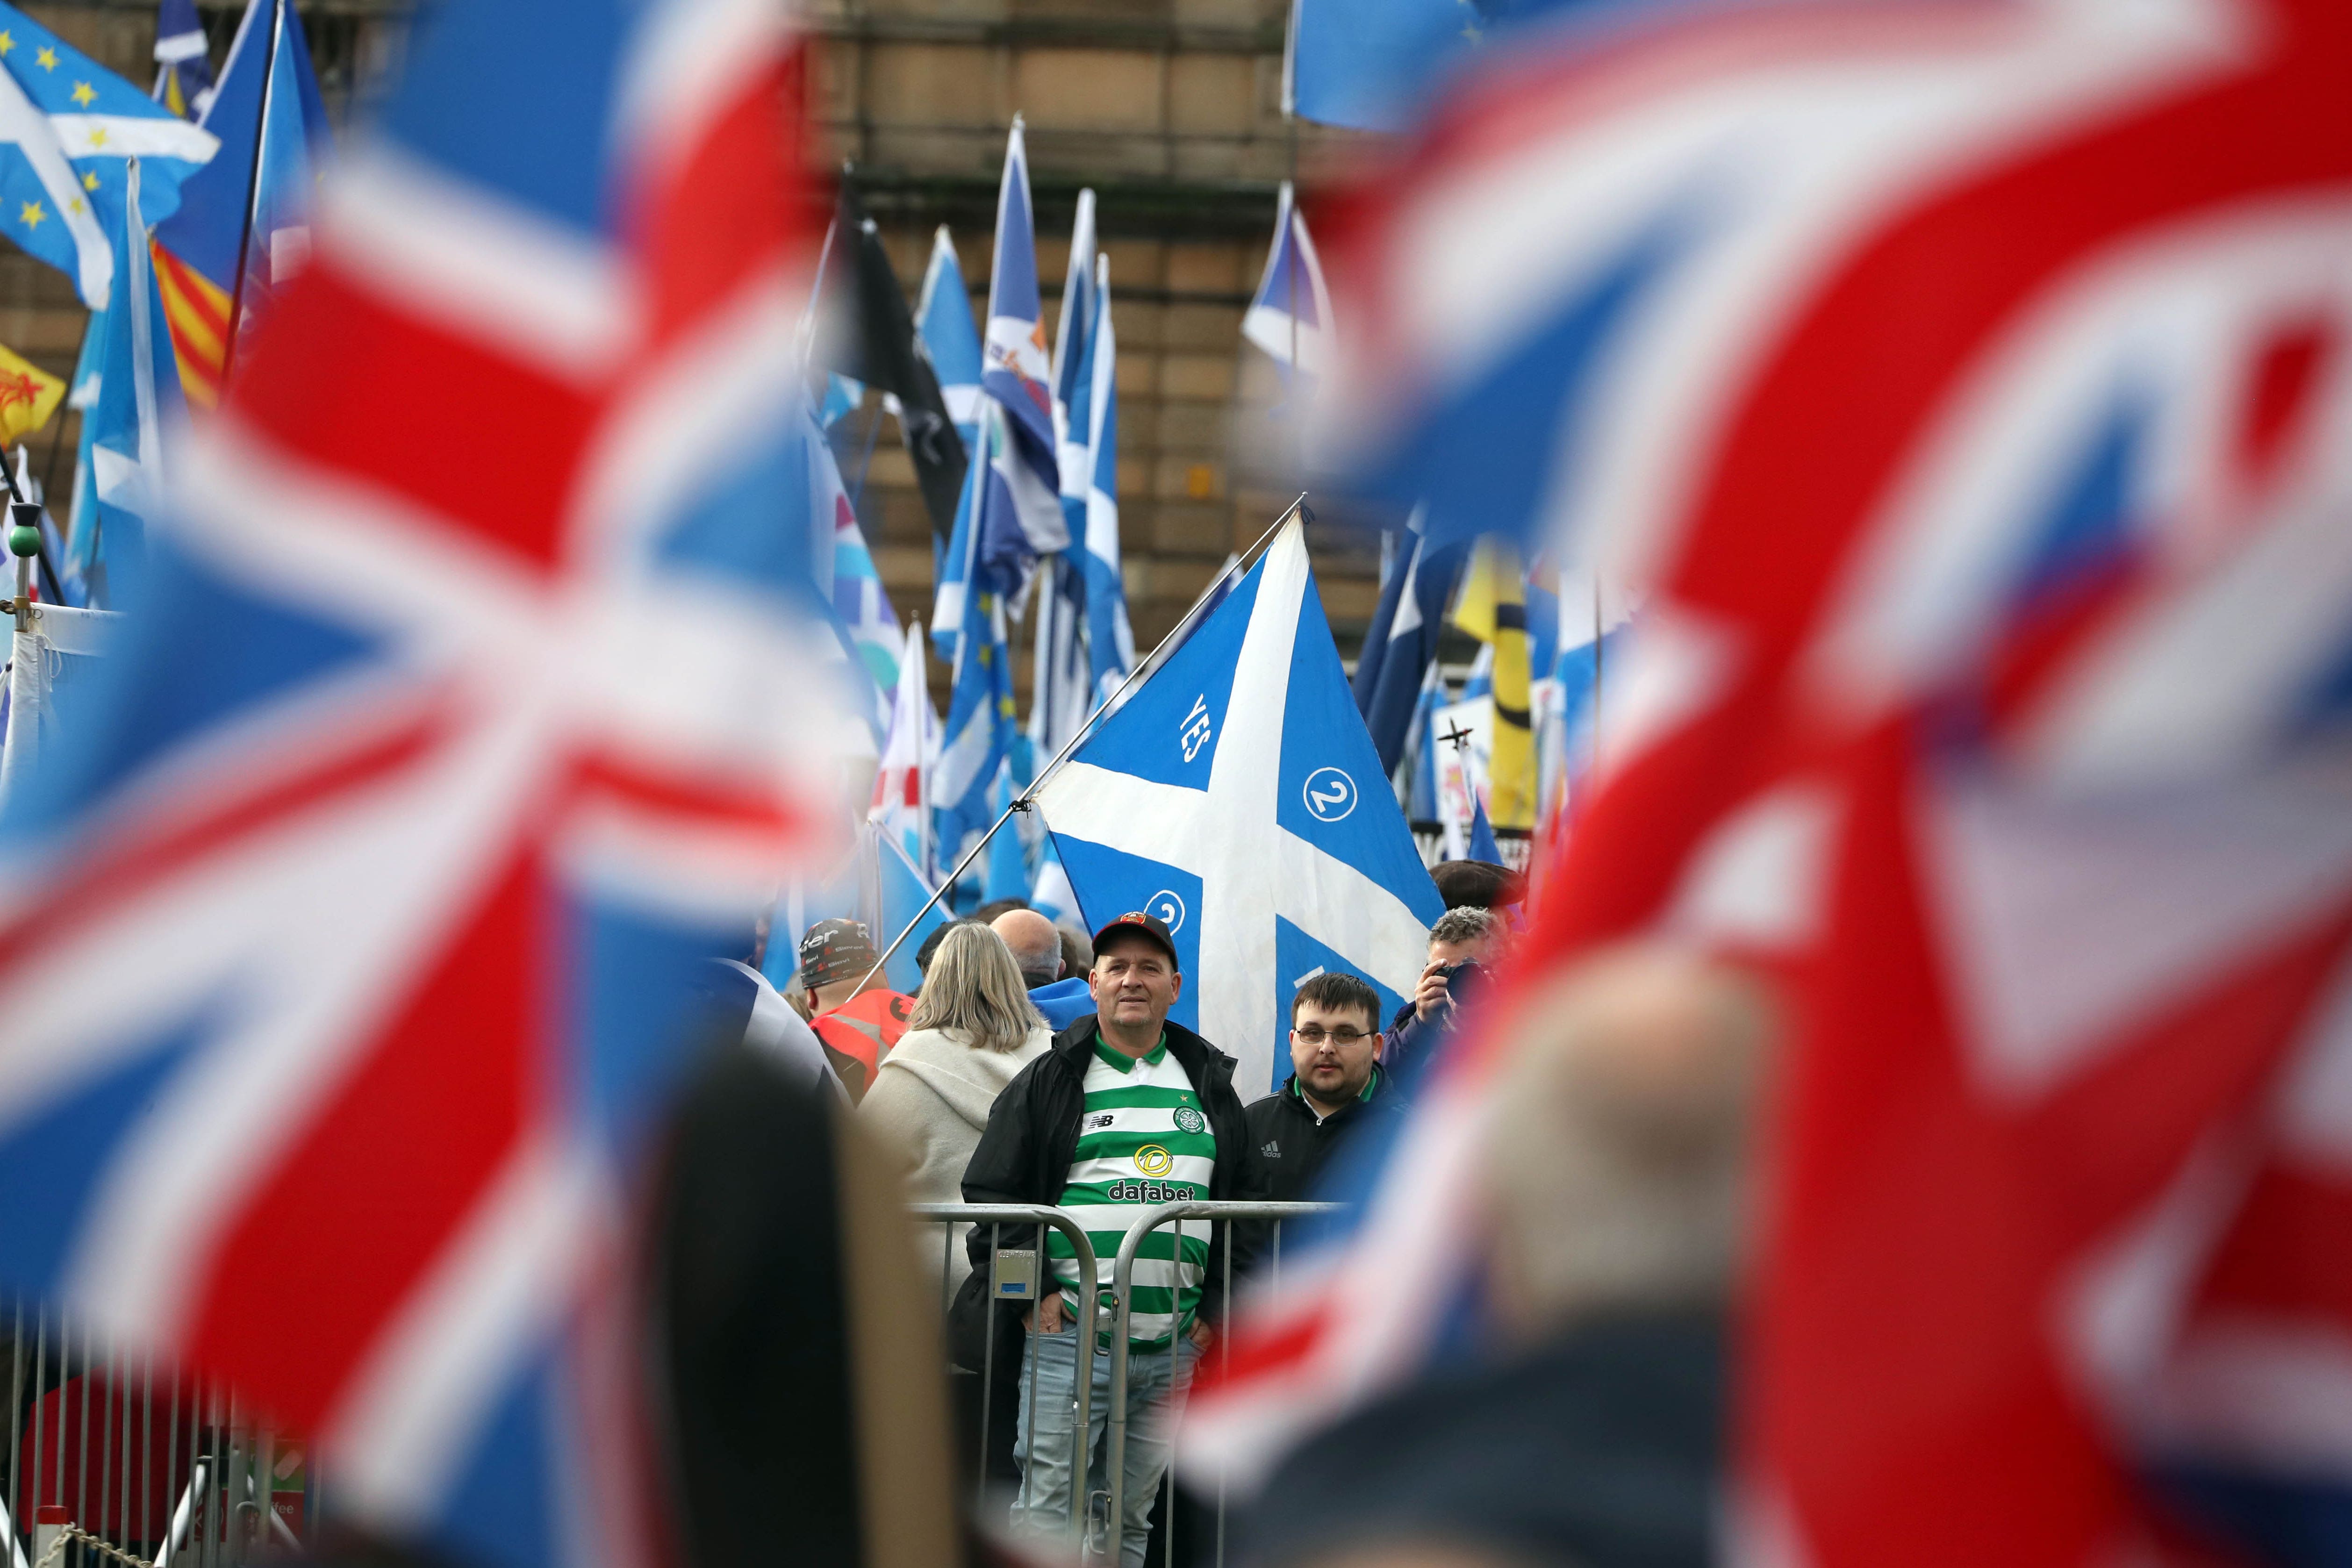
x=252, y=188
x=1145, y=669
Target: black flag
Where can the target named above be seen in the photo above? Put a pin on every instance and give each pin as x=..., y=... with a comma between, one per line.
x=874, y=342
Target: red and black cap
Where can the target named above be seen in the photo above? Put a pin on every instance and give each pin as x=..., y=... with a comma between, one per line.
x=1151, y=925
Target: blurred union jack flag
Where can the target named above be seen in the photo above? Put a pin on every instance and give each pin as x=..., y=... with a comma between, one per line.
x=1969, y=384
x=469, y=706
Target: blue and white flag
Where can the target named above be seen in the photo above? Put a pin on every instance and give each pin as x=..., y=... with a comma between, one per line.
x=1290, y=315
x=1061, y=690
x=1228, y=796
x=1074, y=369
x=943, y=321
x=979, y=725
x=135, y=416
x=1401, y=642
x=857, y=595
x=68, y=128
x=1016, y=375
x=183, y=66
x=1110, y=640
x=1417, y=773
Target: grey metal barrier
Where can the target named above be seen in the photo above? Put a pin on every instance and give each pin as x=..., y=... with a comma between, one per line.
x=1123, y=1301
x=1019, y=1275
x=112, y=1456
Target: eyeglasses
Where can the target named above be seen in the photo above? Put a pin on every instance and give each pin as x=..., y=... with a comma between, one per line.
x=1313, y=1034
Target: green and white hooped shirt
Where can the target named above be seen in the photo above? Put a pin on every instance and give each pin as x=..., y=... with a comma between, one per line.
x=1143, y=1139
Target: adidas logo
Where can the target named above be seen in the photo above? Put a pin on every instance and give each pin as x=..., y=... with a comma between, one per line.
x=1272, y=1151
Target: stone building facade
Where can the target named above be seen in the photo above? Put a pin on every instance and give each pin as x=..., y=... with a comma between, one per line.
x=1169, y=110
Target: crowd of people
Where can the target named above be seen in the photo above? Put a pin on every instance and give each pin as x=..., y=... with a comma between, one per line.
x=1036, y=1065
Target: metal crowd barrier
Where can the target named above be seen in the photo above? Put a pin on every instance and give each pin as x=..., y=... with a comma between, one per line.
x=1027, y=1279
x=111, y=1456
x=1024, y=1284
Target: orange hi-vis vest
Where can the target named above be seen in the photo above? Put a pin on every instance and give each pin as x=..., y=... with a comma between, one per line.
x=863, y=1028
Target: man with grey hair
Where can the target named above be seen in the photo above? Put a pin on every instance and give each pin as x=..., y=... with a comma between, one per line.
x=1614, y=1192
x=1463, y=945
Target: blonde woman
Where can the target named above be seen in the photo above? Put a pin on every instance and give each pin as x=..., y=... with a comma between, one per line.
x=973, y=1028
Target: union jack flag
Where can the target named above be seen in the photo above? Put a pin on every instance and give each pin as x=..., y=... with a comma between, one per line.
x=470, y=704
x=1969, y=381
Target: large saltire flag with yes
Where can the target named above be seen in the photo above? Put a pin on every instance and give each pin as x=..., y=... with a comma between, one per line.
x=1237, y=795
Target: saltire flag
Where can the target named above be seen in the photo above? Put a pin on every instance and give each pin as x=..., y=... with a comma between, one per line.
x=1007, y=872
x=1984, y=692
x=1050, y=893
x=130, y=431
x=1061, y=692
x=68, y=129
x=1417, y=771
x=1401, y=643
x=1290, y=315
x=1493, y=608
x=199, y=247
x=1015, y=375
x=1110, y=639
x=951, y=338
x=858, y=593
x=1073, y=367
x=183, y=66
x=1062, y=682
x=871, y=339
x=901, y=802
x=980, y=725
x=1374, y=65
x=1226, y=796
x=345, y=953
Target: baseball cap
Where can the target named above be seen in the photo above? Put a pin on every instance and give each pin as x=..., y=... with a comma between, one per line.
x=1151, y=925
x=836, y=950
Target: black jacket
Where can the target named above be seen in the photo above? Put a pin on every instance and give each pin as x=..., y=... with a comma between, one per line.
x=1024, y=1153
x=1292, y=1146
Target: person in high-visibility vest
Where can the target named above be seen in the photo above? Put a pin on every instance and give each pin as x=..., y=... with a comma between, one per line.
x=858, y=1019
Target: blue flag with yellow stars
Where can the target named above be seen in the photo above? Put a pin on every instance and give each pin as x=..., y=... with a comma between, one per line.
x=68, y=128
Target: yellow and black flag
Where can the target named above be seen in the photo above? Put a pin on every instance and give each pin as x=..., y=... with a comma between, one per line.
x=1494, y=608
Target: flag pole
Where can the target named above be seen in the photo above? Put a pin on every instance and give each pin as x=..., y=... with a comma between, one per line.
x=252, y=189
x=1147, y=666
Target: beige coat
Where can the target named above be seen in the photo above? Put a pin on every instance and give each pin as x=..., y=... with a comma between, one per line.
x=928, y=1107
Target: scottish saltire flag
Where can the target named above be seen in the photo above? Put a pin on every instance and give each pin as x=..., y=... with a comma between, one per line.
x=980, y=725
x=68, y=130
x=943, y=321
x=1418, y=770
x=1237, y=796
x=1016, y=377
x=132, y=428
x=1061, y=690
x=1985, y=691
x=183, y=66
x=1372, y=65
x=200, y=246
x=944, y=324
x=1110, y=640
x=1007, y=872
x=1074, y=368
x=344, y=958
x=902, y=800
x=1050, y=893
x=1401, y=643
x=857, y=594
x=1290, y=315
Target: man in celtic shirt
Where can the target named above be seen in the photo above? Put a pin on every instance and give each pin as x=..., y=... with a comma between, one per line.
x=1127, y=1111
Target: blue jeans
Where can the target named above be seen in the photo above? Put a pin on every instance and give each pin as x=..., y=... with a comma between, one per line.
x=1155, y=1398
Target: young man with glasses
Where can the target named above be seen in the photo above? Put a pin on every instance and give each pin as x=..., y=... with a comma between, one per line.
x=1336, y=1084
